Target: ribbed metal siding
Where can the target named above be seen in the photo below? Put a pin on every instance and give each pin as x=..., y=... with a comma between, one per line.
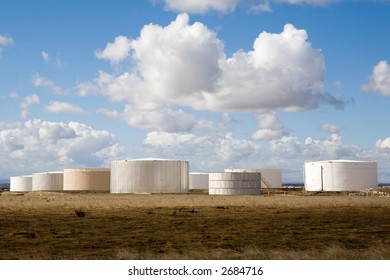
x=149, y=176
x=87, y=179
x=50, y=181
x=235, y=183
x=340, y=175
x=21, y=183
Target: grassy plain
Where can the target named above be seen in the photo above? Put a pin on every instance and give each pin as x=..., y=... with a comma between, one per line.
x=44, y=225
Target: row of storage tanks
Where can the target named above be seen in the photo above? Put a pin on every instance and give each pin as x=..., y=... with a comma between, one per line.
x=172, y=176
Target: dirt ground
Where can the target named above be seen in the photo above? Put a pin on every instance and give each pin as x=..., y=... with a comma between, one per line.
x=44, y=225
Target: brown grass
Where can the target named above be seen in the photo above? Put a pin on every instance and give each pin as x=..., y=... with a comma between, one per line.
x=43, y=225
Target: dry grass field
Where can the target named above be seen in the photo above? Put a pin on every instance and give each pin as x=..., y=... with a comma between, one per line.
x=293, y=225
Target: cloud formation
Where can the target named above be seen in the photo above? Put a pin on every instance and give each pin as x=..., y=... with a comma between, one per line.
x=184, y=64
x=48, y=59
x=309, y=2
x=206, y=152
x=6, y=41
x=383, y=144
x=226, y=6
x=116, y=51
x=164, y=119
x=48, y=85
x=45, y=56
x=27, y=102
x=331, y=128
x=201, y=7
x=63, y=107
x=43, y=146
x=270, y=127
x=217, y=151
x=379, y=81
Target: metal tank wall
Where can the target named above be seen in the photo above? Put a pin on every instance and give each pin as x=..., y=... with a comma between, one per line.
x=87, y=179
x=313, y=180
x=199, y=181
x=272, y=176
x=149, y=176
x=340, y=175
x=48, y=181
x=235, y=183
x=21, y=183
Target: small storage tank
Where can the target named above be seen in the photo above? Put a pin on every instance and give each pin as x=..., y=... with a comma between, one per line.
x=271, y=178
x=87, y=179
x=199, y=181
x=340, y=175
x=21, y=183
x=235, y=183
x=48, y=181
x=149, y=176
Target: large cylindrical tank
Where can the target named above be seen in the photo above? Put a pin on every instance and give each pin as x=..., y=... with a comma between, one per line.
x=87, y=179
x=340, y=175
x=21, y=183
x=271, y=178
x=48, y=181
x=199, y=181
x=235, y=183
x=149, y=176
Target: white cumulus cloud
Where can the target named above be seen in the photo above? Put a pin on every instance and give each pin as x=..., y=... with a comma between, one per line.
x=331, y=128
x=379, y=81
x=270, y=127
x=282, y=71
x=63, y=107
x=383, y=143
x=184, y=64
x=116, y=51
x=37, y=145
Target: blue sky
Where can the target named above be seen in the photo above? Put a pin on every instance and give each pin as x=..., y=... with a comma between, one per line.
x=237, y=83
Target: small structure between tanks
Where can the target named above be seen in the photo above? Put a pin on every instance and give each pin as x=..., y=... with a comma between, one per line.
x=199, y=181
x=340, y=175
x=235, y=183
x=149, y=176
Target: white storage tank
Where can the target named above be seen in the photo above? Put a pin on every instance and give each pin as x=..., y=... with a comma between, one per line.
x=199, y=181
x=21, y=183
x=272, y=178
x=235, y=183
x=87, y=179
x=149, y=176
x=340, y=175
x=48, y=181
